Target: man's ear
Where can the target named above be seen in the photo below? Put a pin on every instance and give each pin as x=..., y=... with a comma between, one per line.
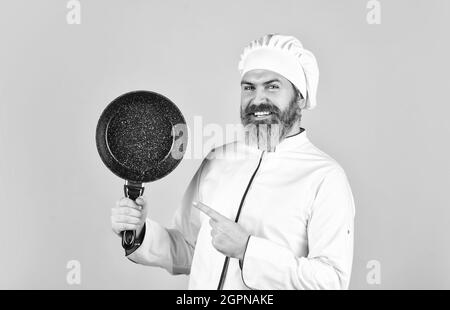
x=301, y=102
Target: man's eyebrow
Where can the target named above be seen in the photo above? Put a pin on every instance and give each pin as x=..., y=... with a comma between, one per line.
x=246, y=82
x=265, y=83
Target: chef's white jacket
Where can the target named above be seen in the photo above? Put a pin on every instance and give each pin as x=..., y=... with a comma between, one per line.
x=295, y=202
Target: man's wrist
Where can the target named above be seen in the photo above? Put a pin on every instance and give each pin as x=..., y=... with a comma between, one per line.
x=241, y=258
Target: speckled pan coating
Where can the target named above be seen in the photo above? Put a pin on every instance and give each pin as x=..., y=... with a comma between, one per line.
x=135, y=137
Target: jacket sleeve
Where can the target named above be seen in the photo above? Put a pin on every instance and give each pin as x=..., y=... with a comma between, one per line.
x=173, y=248
x=268, y=265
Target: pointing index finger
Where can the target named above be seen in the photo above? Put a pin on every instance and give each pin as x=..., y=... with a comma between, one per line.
x=209, y=211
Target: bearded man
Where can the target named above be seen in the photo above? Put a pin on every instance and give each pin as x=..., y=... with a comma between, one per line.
x=280, y=214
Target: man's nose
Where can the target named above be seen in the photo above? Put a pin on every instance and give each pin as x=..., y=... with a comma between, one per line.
x=260, y=97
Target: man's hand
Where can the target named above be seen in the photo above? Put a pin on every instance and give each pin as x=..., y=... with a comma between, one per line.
x=128, y=215
x=228, y=237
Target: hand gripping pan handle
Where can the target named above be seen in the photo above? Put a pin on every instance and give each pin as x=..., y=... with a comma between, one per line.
x=131, y=190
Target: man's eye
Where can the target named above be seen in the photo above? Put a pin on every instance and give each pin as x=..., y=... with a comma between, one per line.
x=248, y=87
x=273, y=86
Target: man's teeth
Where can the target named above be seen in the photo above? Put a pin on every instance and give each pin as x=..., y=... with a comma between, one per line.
x=264, y=113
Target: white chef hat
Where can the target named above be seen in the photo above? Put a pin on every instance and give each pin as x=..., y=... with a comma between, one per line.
x=284, y=55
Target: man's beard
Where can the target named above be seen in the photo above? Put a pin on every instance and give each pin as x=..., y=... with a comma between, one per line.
x=266, y=133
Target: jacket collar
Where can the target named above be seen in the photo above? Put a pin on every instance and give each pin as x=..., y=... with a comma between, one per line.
x=292, y=142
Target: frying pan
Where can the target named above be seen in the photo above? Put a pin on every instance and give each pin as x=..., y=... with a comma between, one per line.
x=141, y=137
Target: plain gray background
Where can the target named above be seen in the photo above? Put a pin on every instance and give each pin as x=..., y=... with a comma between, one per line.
x=382, y=114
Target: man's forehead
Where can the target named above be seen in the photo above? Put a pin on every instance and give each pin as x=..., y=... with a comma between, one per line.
x=261, y=76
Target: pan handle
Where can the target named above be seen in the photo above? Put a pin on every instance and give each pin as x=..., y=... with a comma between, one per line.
x=131, y=190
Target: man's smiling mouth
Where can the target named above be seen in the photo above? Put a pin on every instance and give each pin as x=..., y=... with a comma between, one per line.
x=261, y=114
